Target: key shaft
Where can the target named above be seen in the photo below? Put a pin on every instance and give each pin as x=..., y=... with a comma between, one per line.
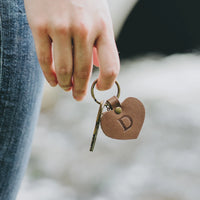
x=96, y=128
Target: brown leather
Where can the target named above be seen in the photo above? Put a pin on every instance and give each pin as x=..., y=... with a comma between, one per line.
x=127, y=124
x=113, y=102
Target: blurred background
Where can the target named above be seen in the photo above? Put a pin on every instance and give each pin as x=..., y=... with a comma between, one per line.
x=158, y=43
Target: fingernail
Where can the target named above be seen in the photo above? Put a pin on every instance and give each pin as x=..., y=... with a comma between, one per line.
x=67, y=89
x=78, y=97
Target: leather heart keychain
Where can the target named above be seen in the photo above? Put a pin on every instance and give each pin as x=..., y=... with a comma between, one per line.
x=121, y=120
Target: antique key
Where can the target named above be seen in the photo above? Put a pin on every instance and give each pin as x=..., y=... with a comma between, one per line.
x=96, y=128
x=98, y=119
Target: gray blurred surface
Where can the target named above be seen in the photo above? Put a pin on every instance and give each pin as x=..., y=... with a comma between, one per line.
x=162, y=164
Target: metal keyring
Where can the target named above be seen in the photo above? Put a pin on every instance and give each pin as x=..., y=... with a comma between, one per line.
x=92, y=90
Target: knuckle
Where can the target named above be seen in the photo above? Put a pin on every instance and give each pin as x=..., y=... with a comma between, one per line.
x=61, y=28
x=110, y=74
x=82, y=75
x=63, y=71
x=103, y=23
x=44, y=60
x=39, y=27
x=82, y=30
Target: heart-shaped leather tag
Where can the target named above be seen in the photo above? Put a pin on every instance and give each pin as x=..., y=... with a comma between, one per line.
x=127, y=124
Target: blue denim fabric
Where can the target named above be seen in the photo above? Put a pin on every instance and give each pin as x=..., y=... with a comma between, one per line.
x=21, y=83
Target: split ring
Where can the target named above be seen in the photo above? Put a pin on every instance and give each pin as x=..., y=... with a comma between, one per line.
x=92, y=90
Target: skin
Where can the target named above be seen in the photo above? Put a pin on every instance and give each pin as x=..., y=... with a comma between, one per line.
x=69, y=35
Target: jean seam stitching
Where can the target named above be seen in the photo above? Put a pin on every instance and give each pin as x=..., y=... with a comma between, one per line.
x=1, y=46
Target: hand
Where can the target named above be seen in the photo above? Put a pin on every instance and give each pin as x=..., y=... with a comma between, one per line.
x=67, y=33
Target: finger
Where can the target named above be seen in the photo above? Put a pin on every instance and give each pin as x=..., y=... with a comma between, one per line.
x=109, y=62
x=82, y=67
x=43, y=45
x=95, y=57
x=62, y=50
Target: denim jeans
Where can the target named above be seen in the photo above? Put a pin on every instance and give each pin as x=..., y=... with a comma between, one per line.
x=21, y=83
